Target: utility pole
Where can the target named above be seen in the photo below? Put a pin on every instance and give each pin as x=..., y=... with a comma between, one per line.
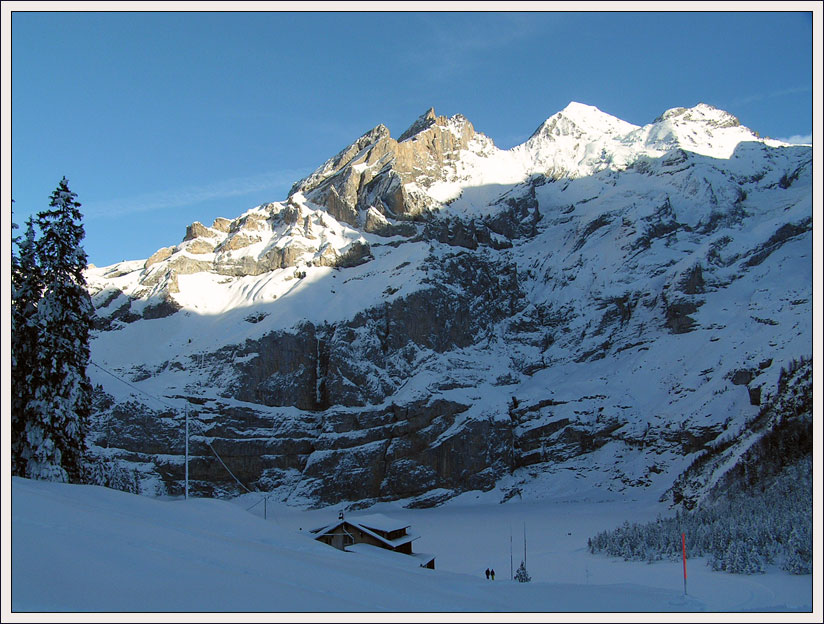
x=186, y=487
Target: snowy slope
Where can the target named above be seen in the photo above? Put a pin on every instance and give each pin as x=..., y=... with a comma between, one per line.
x=90, y=549
x=604, y=301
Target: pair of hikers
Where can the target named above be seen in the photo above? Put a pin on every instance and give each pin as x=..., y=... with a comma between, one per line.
x=490, y=574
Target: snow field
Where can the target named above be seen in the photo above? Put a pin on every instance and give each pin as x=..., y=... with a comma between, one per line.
x=90, y=549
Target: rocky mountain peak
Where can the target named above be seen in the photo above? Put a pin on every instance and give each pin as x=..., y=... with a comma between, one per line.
x=420, y=124
x=378, y=172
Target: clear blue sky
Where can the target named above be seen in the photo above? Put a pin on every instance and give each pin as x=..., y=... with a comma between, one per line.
x=160, y=119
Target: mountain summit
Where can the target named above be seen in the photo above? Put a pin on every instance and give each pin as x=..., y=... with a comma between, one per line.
x=582, y=315
x=420, y=124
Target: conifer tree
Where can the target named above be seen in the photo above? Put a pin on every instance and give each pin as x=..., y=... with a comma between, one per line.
x=27, y=289
x=57, y=414
x=521, y=575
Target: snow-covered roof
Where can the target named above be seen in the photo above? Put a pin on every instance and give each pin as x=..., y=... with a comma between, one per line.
x=379, y=522
x=371, y=524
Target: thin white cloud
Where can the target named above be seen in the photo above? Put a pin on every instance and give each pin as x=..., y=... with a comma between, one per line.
x=500, y=30
x=191, y=195
x=799, y=139
x=757, y=97
x=449, y=43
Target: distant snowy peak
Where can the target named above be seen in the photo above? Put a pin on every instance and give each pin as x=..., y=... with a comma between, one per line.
x=582, y=140
x=578, y=141
x=702, y=129
x=437, y=157
x=701, y=113
x=580, y=121
x=378, y=184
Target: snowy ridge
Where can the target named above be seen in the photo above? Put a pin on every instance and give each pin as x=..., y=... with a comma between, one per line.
x=579, y=141
x=266, y=241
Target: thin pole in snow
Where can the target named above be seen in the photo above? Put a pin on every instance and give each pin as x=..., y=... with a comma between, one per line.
x=511, y=574
x=524, y=543
x=684, y=555
x=186, y=480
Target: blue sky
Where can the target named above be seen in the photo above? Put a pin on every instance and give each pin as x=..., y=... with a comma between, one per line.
x=159, y=119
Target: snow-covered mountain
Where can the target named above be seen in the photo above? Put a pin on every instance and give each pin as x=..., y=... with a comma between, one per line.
x=592, y=309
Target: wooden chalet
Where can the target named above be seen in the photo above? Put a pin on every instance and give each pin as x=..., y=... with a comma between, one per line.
x=374, y=530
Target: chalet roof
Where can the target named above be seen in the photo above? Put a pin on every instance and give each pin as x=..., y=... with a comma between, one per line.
x=370, y=524
x=374, y=522
x=379, y=522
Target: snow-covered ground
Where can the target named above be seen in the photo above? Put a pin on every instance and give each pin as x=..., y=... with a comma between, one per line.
x=90, y=549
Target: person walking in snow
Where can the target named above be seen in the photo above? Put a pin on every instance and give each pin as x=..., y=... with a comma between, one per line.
x=492, y=573
x=487, y=574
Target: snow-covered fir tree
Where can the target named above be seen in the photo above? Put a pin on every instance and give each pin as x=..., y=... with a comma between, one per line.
x=112, y=474
x=52, y=440
x=521, y=575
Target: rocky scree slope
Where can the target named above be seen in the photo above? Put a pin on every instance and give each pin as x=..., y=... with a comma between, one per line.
x=579, y=316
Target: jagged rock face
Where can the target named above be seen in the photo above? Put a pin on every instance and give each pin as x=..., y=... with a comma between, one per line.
x=366, y=360
x=376, y=454
x=374, y=172
x=158, y=256
x=595, y=323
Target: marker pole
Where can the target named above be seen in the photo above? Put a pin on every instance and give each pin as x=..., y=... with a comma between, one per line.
x=186, y=478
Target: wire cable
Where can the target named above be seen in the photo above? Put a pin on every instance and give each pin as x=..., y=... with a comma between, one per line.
x=219, y=459
x=132, y=385
x=199, y=424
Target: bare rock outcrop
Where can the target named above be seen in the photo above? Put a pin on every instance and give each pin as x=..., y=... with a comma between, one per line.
x=374, y=171
x=159, y=256
x=198, y=230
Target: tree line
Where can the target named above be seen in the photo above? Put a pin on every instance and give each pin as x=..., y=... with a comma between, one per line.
x=758, y=514
x=741, y=535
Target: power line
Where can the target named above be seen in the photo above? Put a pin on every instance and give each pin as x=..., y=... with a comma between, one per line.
x=203, y=432
x=194, y=420
x=132, y=385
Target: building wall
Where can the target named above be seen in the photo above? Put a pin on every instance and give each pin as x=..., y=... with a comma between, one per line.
x=405, y=548
x=364, y=538
x=339, y=539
